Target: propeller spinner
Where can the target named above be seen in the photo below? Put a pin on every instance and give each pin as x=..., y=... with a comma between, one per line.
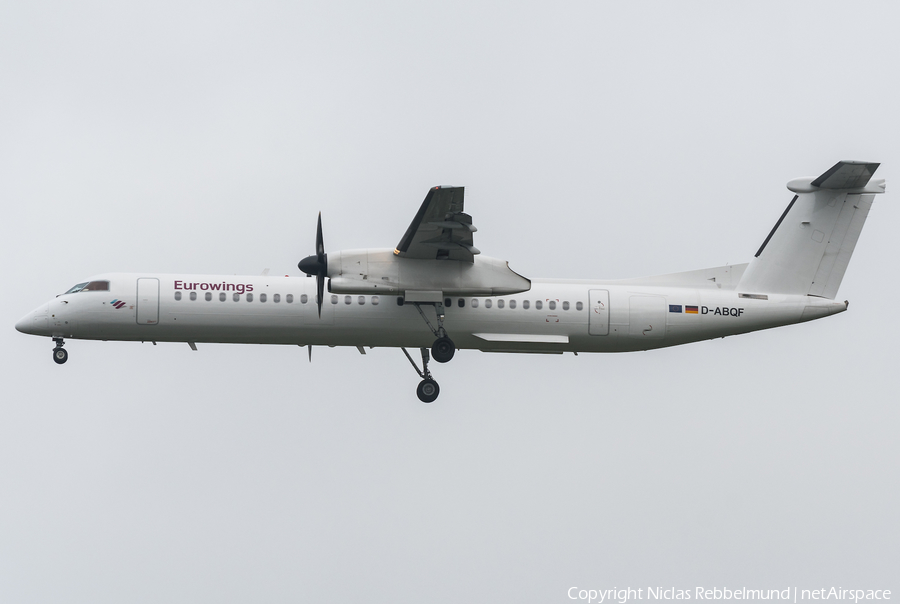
x=317, y=265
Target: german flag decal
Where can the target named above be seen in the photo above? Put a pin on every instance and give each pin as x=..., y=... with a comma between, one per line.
x=691, y=310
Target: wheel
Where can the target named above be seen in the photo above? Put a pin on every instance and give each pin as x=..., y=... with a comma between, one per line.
x=428, y=391
x=443, y=349
x=60, y=355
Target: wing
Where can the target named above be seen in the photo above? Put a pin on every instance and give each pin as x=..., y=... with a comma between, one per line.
x=440, y=230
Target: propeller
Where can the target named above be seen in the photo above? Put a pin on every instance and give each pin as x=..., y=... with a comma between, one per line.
x=317, y=265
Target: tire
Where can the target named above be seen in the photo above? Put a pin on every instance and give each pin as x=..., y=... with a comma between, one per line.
x=60, y=355
x=428, y=391
x=443, y=350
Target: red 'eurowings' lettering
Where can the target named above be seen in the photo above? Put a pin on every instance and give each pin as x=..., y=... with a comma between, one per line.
x=233, y=287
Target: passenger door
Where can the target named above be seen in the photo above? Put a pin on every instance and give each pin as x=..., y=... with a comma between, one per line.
x=147, y=301
x=598, y=312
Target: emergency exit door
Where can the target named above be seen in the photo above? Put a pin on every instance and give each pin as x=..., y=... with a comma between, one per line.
x=147, y=301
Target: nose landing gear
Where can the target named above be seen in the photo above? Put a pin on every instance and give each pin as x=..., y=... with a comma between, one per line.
x=427, y=390
x=60, y=355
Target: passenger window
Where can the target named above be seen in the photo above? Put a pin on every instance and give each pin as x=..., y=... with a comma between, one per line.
x=249, y=297
x=474, y=302
x=276, y=298
x=289, y=298
x=76, y=288
x=552, y=304
x=526, y=304
x=208, y=296
x=348, y=299
x=236, y=297
x=304, y=298
x=97, y=286
x=565, y=306
x=488, y=303
x=448, y=302
x=538, y=304
x=222, y=297
x=375, y=300
x=262, y=297
x=500, y=303
x=334, y=299
x=579, y=306
x=512, y=303
x=361, y=300
x=178, y=295
x=193, y=295
x=461, y=303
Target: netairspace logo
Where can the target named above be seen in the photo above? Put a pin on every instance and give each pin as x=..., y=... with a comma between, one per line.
x=791, y=594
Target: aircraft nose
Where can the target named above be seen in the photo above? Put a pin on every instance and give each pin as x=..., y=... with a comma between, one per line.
x=35, y=322
x=25, y=323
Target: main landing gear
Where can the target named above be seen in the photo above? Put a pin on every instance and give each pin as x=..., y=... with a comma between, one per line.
x=60, y=355
x=427, y=390
x=443, y=348
x=442, y=351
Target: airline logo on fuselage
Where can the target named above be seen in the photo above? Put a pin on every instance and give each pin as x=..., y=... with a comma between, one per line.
x=223, y=286
x=117, y=304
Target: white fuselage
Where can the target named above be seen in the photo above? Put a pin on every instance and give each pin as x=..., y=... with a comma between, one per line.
x=553, y=316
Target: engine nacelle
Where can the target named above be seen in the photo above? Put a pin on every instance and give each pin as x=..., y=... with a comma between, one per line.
x=379, y=271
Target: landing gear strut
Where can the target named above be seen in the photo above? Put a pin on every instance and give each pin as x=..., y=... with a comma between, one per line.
x=443, y=348
x=60, y=355
x=427, y=390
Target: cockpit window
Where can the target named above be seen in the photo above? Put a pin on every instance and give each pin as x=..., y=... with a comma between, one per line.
x=92, y=286
x=77, y=288
x=89, y=286
x=97, y=286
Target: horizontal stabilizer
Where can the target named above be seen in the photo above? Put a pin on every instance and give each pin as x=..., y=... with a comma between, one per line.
x=846, y=175
x=849, y=176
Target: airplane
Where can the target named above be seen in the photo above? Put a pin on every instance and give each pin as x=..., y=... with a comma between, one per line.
x=436, y=292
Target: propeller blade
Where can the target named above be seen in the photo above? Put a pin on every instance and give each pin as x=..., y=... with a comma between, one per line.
x=317, y=265
x=320, y=291
x=320, y=244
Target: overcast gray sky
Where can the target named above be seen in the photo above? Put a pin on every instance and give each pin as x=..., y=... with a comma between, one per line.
x=596, y=140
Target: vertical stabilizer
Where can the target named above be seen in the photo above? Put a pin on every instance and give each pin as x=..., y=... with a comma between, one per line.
x=808, y=250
